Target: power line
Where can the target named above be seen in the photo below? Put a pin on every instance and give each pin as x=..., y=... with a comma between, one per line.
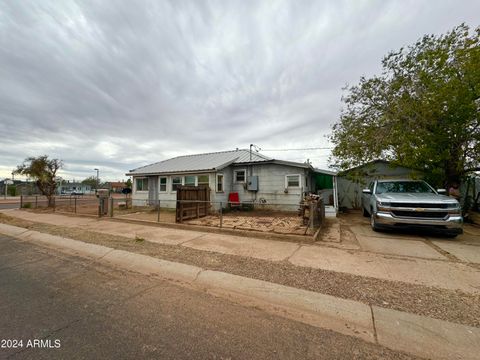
x=300, y=149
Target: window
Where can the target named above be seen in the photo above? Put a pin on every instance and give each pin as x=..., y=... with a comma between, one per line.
x=203, y=180
x=239, y=175
x=163, y=184
x=142, y=184
x=176, y=182
x=219, y=182
x=292, y=180
x=190, y=180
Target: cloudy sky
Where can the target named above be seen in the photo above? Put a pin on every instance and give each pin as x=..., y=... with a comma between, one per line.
x=119, y=84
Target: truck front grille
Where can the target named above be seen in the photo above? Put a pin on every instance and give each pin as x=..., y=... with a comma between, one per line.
x=420, y=214
x=419, y=205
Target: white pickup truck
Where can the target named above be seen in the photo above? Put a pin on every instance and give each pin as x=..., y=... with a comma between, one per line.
x=411, y=203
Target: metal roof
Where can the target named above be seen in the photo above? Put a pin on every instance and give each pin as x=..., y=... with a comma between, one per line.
x=200, y=162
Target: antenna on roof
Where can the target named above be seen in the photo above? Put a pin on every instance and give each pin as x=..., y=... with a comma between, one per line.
x=257, y=149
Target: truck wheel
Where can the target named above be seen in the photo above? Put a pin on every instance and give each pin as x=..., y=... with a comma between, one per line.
x=373, y=223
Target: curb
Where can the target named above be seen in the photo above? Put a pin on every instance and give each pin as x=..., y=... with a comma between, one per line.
x=400, y=331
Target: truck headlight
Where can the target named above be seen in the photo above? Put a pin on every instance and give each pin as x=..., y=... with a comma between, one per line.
x=383, y=206
x=454, y=209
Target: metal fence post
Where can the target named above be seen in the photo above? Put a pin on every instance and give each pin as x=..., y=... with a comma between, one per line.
x=221, y=215
x=158, y=211
x=75, y=204
x=21, y=201
x=36, y=201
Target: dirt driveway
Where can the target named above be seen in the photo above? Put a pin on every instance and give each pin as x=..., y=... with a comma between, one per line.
x=354, y=229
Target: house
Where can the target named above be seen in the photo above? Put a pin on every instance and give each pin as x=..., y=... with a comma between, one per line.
x=255, y=177
x=351, y=182
x=69, y=187
x=115, y=186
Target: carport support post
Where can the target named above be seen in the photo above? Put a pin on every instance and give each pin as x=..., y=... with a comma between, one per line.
x=221, y=215
x=158, y=211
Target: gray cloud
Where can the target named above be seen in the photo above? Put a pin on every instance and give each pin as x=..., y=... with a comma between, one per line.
x=116, y=85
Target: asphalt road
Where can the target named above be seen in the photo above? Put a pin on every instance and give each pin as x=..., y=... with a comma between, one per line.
x=85, y=310
x=9, y=205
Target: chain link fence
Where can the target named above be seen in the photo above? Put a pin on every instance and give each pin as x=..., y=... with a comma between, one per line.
x=274, y=218
x=296, y=219
x=78, y=204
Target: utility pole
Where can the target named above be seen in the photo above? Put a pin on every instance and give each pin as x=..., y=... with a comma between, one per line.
x=96, y=186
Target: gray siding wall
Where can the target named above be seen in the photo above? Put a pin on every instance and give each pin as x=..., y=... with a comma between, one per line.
x=272, y=188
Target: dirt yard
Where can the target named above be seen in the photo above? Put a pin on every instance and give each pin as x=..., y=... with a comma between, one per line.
x=274, y=222
x=146, y=214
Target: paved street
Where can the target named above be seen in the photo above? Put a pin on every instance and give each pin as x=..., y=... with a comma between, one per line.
x=96, y=311
x=9, y=205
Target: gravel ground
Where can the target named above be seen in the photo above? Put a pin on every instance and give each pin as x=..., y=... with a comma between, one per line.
x=453, y=306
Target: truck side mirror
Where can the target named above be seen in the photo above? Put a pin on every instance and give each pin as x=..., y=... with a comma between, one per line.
x=367, y=191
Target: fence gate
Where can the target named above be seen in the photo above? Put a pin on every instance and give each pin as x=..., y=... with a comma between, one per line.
x=193, y=202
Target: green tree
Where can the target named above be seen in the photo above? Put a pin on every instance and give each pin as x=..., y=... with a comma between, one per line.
x=421, y=112
x=92, y=181
x=43, y=170
x=128, y=183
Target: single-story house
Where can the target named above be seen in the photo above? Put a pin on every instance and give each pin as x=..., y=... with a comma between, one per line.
x=68, y=187
x=351, y=182
x=115, y=186
x=255, y=177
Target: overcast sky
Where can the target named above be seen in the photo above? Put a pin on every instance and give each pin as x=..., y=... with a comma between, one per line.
x=116, y=85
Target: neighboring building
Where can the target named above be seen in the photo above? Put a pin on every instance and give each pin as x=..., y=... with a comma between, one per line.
x=115, y=187
x=255, y=177
x=351, y=182
x=19, y=187
x=68, y=187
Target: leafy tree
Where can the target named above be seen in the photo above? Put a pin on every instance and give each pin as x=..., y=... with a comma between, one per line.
x=92, y=181
x=421, y=112
x=128, y=183
x=43, y=170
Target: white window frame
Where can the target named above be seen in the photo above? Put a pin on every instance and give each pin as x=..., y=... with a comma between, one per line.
x=181, y=183
x=136, y=184
x=194, y=181
x=235, y=176
x=293, y=187
x=208, y=180
x=160, y=184
x=223, y=183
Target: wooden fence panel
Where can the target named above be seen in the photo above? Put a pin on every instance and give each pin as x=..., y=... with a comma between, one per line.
x=193, y=202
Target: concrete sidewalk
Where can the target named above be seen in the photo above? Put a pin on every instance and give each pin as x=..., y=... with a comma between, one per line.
x=432, y=268
x=418, y=335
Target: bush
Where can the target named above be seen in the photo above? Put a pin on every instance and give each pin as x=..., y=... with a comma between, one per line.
x=27, y=205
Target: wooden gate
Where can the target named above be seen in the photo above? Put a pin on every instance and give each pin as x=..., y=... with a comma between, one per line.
x=193, y=202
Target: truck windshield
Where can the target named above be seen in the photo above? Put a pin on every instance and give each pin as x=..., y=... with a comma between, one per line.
x=403, y=187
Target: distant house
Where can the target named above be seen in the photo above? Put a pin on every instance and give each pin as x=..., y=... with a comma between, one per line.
x=67, y=187
x=115, y=186
x=255, y=177
x=351, y=182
